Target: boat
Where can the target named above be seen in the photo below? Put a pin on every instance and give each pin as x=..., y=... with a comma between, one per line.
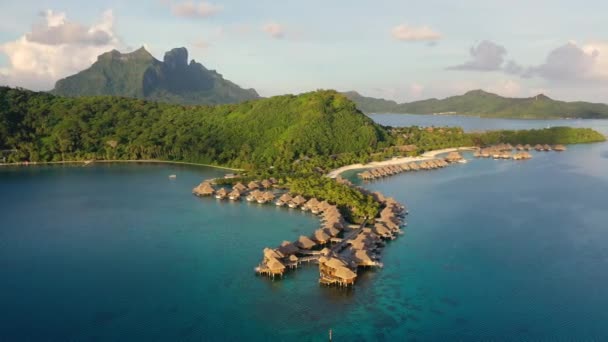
x=462, y=161
x=172, y=176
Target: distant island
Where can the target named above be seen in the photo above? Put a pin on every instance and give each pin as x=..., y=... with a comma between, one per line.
x=487, y=105
x=139, y=75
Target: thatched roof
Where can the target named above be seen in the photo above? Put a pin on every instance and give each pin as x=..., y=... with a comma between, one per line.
x=253, y=185
x=305, y=242
x=268, y=196
x=285, y=198
x=271, y=253
x=299, y=200
x=222, y=192
x=293, y=258
x=335, y=263
x=266, y=184
x=320, y=236
x=362, y=258
x=325, y=251
x=312, y=203
x=288, y=248
x=239, y=186
x=203, y=189
x=275, y=265
x=331, y=231
x=234, y=193
x=559, y=148
x=345, y=274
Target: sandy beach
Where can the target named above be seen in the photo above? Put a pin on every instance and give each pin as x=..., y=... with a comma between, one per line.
x=397, y=161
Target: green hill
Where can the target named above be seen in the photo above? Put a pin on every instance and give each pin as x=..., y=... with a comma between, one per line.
x=257, y=134
x=484, y=104
x=139, y=75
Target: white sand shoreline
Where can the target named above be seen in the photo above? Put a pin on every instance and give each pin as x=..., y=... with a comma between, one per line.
x=85, y=163
x=396, y=161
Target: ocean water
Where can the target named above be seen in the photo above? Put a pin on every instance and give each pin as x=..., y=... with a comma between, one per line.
x=494, y=250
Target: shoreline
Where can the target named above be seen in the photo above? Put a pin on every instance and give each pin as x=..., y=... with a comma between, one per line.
x=396, y=161
x=87, y=163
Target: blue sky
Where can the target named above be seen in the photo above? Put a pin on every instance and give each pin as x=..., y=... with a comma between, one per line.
x=403, y=50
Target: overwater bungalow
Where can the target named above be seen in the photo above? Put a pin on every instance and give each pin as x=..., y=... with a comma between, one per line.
x=519, y=147
x=334, y=271
x=547, y=147
x=283, y=200
x=405, y=167
x=312, y=203
x=361, y=258
x=366, y=175
x=382, y=230
x=559, y=148
x=297, y=201
x=240, y=187
x=321, y=237
x=522, y=156
x=539, y=147
x=253, y=195
x=453, y=157
x=234, y=195
x=304, y=242
x=266, y=184
x=331, y=230
x=265, y=197
x=527, y=147
x=221, y=193
x=288, y=248
x=253, y=185
x=203, y=189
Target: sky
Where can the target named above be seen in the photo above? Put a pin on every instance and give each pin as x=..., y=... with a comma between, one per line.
x=400, y=50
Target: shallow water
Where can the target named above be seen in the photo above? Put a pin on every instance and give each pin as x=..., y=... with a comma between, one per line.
x=494, y=250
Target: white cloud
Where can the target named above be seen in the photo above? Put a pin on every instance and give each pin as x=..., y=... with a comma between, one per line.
x=570, y=62
x=486, y=56
x=408, y=33
x=275, y=30
x=191, y=9
x=55, y=49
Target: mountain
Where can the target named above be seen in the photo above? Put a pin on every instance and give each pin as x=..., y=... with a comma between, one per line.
x=484, y=104
x=274, y=132
x=139, y=75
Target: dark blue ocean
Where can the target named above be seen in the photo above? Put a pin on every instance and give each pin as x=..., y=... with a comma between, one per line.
x=494, y=250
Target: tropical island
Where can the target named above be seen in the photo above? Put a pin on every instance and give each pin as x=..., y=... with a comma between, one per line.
x=292, y=141
x=486, y=105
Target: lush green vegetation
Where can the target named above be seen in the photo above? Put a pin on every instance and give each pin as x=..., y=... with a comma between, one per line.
x=428, y=139
x=279, y=133
x=295, y=139
x=139, y=75
x=352, y=202
x=484, y=104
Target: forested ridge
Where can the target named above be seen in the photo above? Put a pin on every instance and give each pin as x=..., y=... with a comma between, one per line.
x=255, y=134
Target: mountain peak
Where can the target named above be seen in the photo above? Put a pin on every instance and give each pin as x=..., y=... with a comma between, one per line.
x=477, y=92
x=541, y=96
x=176, y=58
x=138, y=74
